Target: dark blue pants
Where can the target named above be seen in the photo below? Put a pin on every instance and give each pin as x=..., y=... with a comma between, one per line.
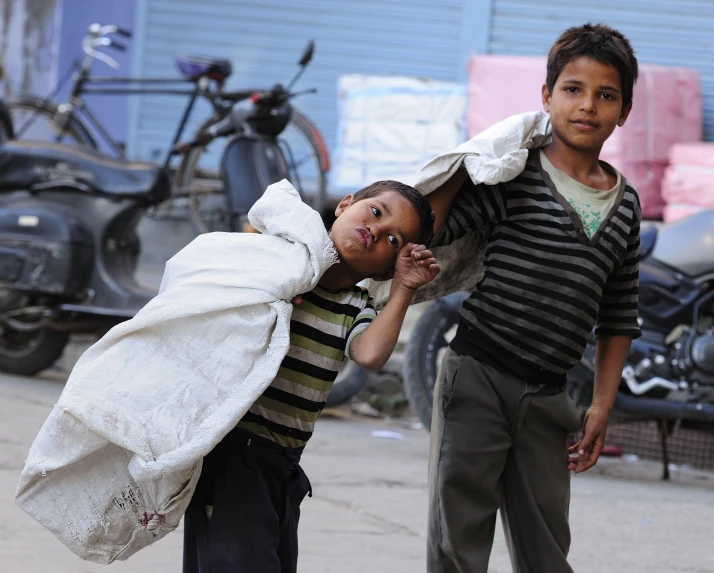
x=255, y=488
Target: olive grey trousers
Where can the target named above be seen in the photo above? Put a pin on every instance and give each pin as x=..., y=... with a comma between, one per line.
x=498, y=443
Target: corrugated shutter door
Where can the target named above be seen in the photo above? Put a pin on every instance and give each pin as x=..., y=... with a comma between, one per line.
x=264, y=39
x=676, y=33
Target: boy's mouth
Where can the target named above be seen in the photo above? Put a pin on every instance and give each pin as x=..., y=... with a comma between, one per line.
x=365, y=237
x=585, y=124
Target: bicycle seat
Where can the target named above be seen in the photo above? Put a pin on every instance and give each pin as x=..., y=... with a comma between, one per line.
x=195, y=67
x=38, y=166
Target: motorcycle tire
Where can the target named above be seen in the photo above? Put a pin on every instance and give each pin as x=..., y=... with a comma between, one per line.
x=350, y=380
x=421, y=363
x=26, y=354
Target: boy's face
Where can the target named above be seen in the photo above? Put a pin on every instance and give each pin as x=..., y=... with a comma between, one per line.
x=586, y=104
x=369, y=233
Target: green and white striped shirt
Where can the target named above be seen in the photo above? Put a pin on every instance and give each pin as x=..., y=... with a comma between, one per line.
x=321, y=330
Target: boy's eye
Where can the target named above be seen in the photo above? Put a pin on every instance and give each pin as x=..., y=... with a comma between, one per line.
x=608, y=96
x=377, y=213
x=571, y=89
x=394, y=241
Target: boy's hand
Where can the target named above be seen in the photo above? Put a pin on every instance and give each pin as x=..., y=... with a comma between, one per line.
x=585, y=454
x=415, y=266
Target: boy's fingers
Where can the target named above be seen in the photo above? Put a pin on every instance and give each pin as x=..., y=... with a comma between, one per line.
x=297, y=300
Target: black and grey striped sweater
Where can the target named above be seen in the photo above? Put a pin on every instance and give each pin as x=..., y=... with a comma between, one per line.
x=546, y=284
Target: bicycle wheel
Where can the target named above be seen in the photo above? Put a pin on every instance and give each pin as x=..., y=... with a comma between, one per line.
x=307, y=158
x=198, y=176
x=36, y=120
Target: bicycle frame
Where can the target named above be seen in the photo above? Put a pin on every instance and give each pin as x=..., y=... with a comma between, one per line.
x=131, y=86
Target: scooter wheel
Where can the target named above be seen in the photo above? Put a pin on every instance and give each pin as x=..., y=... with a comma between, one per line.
x=27, y=353
x=350, y=380
x=427, y=343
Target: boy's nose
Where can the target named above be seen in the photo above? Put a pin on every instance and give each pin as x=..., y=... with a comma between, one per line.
x=587, y=104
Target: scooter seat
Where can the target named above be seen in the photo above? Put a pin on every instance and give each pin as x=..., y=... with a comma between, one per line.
x=648, y=238
x=195, y=67
x=38, y=166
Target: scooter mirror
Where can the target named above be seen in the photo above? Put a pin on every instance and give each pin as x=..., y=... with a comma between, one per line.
x=307, y=54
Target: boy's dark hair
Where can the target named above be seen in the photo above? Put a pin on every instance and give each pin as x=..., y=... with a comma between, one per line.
x=599, y=42
x=421, y=205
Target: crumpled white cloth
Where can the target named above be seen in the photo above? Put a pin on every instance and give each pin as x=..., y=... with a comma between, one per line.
x=115, y=464
x=496, y=155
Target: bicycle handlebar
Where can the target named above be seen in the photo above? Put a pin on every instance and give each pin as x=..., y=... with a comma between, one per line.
x=97, y=37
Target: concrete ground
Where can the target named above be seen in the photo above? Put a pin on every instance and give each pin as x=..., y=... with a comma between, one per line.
x=369, y=508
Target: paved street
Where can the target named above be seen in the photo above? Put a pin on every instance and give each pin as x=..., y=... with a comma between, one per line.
x=369, y=508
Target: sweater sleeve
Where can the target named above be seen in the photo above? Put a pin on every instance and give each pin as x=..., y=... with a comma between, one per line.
x=475, y=207
x=617, y=315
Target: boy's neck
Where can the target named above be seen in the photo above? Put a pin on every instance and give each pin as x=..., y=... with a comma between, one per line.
x=583, y=166
x=339, y=277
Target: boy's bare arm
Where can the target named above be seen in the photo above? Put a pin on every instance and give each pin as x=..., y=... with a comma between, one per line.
x=415, y=267
x=610, y=356
x=441, y=199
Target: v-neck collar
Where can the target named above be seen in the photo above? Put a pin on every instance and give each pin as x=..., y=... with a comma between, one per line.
x=568, y=208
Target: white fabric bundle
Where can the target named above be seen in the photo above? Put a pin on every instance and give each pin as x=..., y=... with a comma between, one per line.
x=115, y=464
x=389, y=126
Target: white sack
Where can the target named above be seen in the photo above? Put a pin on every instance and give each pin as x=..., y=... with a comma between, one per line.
x=115, y=464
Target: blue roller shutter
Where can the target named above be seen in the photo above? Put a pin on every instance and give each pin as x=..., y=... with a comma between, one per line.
x=264, y=39
x=665, y=32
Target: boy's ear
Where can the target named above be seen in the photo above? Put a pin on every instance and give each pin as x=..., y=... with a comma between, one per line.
x=625, y=113
x=346, y=202
x=545, y=95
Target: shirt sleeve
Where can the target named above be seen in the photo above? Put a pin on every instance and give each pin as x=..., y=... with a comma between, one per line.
x=617, y=315
x=474, y=208
x=362, y=321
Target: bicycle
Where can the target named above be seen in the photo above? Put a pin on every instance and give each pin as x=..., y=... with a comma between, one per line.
x=69, y=122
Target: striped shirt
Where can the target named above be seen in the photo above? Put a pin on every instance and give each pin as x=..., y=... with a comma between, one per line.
x=321, y=331
x=546, y=284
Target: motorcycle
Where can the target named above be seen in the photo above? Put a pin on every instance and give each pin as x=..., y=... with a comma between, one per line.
x=68, y=218
x=6, y=127
x=669, y=374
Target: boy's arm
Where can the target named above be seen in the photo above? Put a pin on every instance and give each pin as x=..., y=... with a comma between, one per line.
x=372, y=348
x=610, y=356
x=442, y=198
x=617, y=326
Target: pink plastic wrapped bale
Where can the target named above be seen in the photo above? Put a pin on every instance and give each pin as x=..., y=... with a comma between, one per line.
x=646, y=178
x=667, y=104
x=667, y=110
x=689, y=180
x=675, y=211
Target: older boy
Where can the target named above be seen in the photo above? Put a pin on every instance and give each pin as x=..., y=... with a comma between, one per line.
x=562, y=257
x=244, y=514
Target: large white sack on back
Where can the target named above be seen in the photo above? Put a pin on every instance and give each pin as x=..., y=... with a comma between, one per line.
x=114, y=466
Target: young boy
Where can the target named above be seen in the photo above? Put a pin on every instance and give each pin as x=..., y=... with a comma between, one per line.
x=562, y=257
x=243, y=516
